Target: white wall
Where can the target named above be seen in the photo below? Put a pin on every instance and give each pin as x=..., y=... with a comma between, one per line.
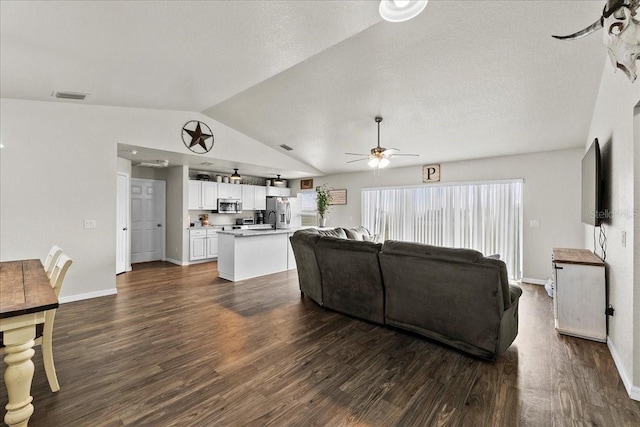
x=177, y=195
x=59, y=167
x=551, y=196
x=612, y=124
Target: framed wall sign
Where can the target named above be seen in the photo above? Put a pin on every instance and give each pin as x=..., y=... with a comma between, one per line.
x=430, y=173
x=306, y=184
x=338, y=197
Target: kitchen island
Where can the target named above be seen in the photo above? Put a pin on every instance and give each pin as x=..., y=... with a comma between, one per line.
x=243, y=254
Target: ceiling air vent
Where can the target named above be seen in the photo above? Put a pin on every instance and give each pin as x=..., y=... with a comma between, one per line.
x=206, y=164
x=286, y=147
x=71, y=95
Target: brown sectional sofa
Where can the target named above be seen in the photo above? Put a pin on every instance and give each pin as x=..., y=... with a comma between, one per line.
x=455, y=296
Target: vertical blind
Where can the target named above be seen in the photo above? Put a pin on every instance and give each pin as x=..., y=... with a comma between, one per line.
x=308, y=207
x=486, y=217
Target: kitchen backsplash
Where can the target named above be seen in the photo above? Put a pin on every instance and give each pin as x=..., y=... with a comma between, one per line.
x=220, y=219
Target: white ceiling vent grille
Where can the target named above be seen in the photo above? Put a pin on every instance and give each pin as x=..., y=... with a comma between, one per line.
x=286, y=147
x=70, y=95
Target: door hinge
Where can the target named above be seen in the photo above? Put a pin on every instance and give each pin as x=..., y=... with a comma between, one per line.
x=609, y=310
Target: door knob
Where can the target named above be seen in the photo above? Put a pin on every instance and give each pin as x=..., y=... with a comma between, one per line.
x=159, y=225
x=125, y=229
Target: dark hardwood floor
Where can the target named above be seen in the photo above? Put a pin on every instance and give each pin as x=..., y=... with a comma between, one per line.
x=179, y=346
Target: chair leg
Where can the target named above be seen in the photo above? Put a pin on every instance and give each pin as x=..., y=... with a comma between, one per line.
x=47, y=354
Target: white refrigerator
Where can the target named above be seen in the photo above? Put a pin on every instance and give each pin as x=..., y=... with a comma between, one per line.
x=283, y=212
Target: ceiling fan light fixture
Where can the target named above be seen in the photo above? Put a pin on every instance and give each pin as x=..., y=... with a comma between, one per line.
x=235, y=176
x=378, y=163
x=278, y=180
x=401, y=10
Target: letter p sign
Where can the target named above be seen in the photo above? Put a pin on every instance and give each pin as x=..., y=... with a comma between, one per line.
x=430, y=173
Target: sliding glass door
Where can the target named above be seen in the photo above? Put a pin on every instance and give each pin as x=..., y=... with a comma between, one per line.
x=483, y=216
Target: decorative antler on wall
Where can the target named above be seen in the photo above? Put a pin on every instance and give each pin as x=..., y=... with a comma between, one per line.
x=621, y=23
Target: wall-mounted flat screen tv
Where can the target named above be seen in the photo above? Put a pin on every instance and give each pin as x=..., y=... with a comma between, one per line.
x=591, y=185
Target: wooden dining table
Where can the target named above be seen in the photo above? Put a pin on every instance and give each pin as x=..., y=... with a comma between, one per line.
x=25, y=295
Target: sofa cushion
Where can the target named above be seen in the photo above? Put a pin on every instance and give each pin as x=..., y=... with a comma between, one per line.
x=419, y=250
x=336, y=232
x=357, y=233
x=351, y=277
x=303, y=243
x=453, y=301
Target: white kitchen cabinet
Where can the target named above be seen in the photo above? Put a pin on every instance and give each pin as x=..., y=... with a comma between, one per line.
x=278, y=191
x=261, y=198
x=248, y=197
x=580, y=294
x=229, y=191
x=197, y=245
x=203, y=195
x=203, y=244
x=212, y=244
x=254, y=197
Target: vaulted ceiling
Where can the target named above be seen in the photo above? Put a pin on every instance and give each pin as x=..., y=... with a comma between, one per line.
x=465, y=79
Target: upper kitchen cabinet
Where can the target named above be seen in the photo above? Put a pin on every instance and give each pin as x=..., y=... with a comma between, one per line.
x=278, y=191
x=254, y=197
x=203, y=195
x=229, y=191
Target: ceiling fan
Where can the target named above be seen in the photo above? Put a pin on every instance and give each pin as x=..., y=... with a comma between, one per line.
x=379, y=156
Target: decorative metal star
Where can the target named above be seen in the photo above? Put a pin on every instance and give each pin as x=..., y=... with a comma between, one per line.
x=198, y=137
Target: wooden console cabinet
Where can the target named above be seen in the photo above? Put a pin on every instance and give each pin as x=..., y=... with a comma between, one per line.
x=580, y=294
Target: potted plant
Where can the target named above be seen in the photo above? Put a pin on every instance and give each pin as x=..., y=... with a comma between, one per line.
x=323, y=198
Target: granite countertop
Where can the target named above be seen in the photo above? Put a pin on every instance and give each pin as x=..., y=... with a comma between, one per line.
x=217, y=228
x=248, y=233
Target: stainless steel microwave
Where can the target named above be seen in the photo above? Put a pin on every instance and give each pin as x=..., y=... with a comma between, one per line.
x=229, y=206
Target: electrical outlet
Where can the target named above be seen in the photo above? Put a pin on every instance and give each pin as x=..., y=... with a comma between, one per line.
x=89, y=223
x=624, y=239
x=534, y=223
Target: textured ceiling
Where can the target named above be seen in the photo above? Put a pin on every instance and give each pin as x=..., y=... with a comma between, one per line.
x=465, y=79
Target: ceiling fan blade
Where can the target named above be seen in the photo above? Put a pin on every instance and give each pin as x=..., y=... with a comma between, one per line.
x=390, y=152
x=358, y=160
x=414, y=155
x=356, y=154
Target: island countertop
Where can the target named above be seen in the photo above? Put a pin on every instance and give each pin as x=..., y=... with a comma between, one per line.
x=258, y=232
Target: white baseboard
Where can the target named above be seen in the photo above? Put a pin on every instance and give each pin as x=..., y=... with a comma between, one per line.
x=175, y=261
x=534, y=281
x=80, y=297
x=632, y=391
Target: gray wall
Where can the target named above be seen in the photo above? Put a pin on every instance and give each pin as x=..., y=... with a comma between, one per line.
x=613, y=125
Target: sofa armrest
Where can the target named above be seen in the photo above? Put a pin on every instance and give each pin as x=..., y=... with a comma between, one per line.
x=515, y=292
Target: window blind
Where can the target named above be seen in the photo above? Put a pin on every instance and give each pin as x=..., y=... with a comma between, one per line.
x=483, y=216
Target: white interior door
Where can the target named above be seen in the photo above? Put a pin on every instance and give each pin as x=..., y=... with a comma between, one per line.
x=122, y=222
x=147, y=220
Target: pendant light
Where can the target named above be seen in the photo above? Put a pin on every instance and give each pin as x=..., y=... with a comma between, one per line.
x=278, y=180
x=401, y=10
x=235, y=176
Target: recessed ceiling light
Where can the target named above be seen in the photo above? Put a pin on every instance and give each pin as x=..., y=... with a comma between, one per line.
x=401, y=10
x=78, y=96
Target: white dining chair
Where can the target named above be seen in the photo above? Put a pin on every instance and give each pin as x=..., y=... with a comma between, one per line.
x=44, y=332
x=51, y=259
